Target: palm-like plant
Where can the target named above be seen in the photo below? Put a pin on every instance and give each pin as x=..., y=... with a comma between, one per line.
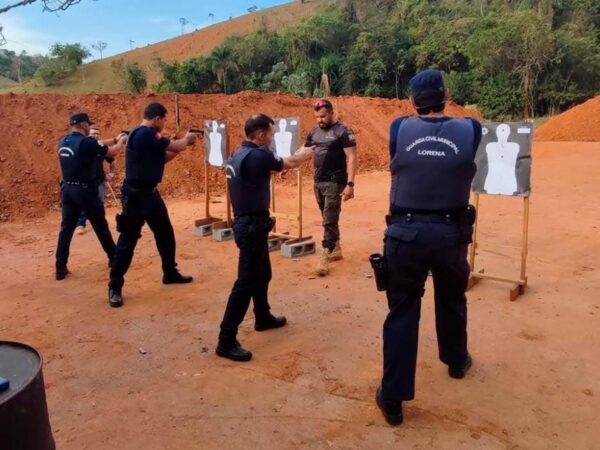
x=221, y=61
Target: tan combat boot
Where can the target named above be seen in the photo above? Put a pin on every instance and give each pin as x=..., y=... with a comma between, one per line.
x=323, y=266
x=336, y=254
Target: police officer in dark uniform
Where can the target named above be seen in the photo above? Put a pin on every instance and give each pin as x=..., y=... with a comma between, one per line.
x=78, y=155
x=429, y=229
x=248, y=175
x=145, y=158
x=101, y=177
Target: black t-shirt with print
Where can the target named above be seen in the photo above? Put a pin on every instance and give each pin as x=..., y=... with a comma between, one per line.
x=330, y=158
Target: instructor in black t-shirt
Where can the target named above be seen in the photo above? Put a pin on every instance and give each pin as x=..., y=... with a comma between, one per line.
x=335, y=169
x=146, y=155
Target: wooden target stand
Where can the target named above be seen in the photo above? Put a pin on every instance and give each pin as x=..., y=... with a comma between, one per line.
x=211, y=225
x=518, y=285
x=276, y=238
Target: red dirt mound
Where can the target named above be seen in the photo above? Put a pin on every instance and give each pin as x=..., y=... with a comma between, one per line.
x=581, y=123
x=32, y=125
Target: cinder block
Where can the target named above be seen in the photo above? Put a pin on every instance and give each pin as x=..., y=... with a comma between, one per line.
x=204, y=227
x=295, y=249
x=275, y=243
x=204, y=230
x=222, y=234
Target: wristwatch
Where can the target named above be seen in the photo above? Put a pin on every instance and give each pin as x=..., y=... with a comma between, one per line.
x=351, y=184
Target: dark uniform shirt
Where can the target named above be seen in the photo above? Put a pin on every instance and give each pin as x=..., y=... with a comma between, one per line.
x=145, y=157
x=79, y=157
x=330, y=158
x=101, y=176
x=249, y=176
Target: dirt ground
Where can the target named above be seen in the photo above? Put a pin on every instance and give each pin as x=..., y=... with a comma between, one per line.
x=534, y=383
x=29, y=169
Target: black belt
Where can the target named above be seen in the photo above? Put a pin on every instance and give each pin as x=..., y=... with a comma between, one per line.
x=258, y=215
x=78, y=183
x=136, y=190
x=448, y=218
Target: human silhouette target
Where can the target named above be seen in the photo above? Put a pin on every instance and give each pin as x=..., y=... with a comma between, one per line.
x=504, y=159
x=287, y=136
x=215, y=142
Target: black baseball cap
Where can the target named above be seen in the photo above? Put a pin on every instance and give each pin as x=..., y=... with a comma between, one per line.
x=79, y=118
x=427, y=88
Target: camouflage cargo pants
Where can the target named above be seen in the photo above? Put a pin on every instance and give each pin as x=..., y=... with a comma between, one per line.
x=329, y=198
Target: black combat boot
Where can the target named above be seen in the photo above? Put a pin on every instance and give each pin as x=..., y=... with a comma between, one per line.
x=234, y=351
x=460, y=372
x=269, y=322
x=62, y=273
x=115, y=299
x=176, y=278
x=392, y=410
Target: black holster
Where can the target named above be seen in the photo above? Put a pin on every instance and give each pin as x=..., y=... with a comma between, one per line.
x=379, y=264
x=466, y=220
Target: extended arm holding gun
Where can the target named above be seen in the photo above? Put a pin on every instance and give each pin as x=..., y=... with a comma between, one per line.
x=179, y=145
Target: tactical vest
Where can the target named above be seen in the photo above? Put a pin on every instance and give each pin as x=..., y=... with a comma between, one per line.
x=434, y=164
x=246, y=198
x=76, y=166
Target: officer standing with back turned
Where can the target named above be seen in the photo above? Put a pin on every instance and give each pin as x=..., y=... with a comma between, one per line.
x=78, y=155
x=145, y=158
x=249, y=175
x=429, y=229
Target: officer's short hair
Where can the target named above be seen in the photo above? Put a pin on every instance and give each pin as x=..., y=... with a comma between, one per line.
x=424, y=110
x=154, y=110
x=324, y=103
x=256, y=123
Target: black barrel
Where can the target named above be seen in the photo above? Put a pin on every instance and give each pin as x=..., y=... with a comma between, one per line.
x=24, y=423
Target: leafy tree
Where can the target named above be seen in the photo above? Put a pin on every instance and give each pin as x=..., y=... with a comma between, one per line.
x=132, y=76
x=99, y=46
x=70, y=53
x=222, y=61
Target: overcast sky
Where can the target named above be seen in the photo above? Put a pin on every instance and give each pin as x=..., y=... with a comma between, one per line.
x=115, y=22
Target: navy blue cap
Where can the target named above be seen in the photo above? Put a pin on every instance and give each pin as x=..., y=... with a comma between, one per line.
x=80, y=117
x=427, y=88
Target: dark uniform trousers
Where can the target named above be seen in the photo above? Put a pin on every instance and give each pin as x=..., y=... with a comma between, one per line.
x=142, y=206
x=329, y=199
x=76, y=199
x=412, y=250
x=254, y=274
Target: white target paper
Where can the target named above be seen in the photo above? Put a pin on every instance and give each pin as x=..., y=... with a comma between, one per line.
x=287, y=136
x=215, y=142
x=504, y=159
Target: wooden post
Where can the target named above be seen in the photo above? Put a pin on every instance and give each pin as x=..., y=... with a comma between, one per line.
x=177, y=112
x=525, y=248
x=299, y=181
x=227, y=198
x=206, y=189
x=273, y=211
x=474, y=243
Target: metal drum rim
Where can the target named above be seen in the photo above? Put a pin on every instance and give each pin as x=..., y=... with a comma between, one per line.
x=37, y=372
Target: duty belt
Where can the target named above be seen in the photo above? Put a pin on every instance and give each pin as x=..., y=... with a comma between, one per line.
x=417, y=217
x=77, y=183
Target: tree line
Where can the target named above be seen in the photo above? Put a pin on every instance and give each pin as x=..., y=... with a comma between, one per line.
x=511, y=58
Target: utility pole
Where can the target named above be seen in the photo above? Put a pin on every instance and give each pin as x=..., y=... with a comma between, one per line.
x=183, y=21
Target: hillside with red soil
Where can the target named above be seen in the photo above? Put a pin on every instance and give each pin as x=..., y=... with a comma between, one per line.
x=581, y=124
x=29, y=172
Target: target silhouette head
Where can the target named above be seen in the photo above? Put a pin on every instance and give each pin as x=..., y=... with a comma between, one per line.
x=502, y=132
x=282, y=125
x=215, y=126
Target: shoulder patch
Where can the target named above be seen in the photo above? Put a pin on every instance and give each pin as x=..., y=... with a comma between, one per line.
x=158, y=136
